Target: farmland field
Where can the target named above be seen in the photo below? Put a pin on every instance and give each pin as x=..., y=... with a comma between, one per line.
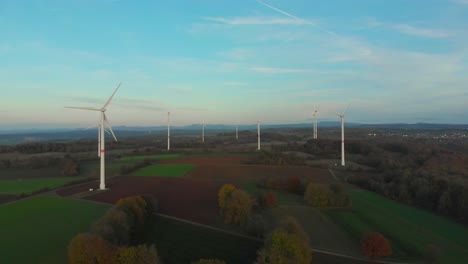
x=40, y=228
x=179, y=242
x=409, y=229
x=243, y=174
x=164, y=170
x=323, y=233
x=27, y=186
x=191, y=199
x=207, y=160
x=158, y=157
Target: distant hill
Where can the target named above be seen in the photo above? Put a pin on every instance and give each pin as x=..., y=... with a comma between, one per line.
x=66, y=134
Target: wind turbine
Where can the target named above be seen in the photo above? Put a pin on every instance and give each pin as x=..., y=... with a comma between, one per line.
x=237, y=129
x=315, y=122
x=168, y=131
x=342, y=116
x=101, y=139
x=258, y=134
x=203, y=132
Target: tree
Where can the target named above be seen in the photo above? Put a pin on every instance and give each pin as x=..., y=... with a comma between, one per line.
x=141, y=254
x=114, y=226
x=316, y=195
x=374, y=245
x=238, y=207
x=71, y=168
x=209, y=261
x=89, y=248
x=224, y=194
x=286, y=244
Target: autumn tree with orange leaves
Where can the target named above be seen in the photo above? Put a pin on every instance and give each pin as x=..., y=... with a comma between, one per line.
x=374, y=245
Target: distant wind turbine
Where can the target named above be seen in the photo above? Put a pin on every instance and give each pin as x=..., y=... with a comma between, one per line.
x=203, y=132
x=342, y=116
x=101, y=139
x=168, y=131
x=258, y=134
x=315, y=122
x=237, y=129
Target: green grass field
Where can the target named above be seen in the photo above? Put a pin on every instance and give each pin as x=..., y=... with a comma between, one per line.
x=27, y=186
x=409, y=229
x=164, y=170
x=38, y=229
x=158, y=157
x=179, y=242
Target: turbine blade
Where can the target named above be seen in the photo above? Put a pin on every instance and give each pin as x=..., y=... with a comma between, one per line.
x=109, y=126
x=90, y=127
x=84, y=108
x=110, y=98
x=346, y=109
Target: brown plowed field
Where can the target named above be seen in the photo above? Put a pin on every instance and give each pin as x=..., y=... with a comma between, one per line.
x=191, y=199
x=206, y=160
x=231, y=173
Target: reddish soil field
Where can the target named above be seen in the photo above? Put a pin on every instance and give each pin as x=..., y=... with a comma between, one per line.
x=230, y=173
x=191, y=199
x=207, y=160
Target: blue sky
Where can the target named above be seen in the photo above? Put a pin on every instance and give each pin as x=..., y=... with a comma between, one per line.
x=222, y=61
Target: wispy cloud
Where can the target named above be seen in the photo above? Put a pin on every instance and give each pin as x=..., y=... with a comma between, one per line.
x=420, y=32
x=257, y=20
x=296, y=18
x=462, y=2
x=282, y=70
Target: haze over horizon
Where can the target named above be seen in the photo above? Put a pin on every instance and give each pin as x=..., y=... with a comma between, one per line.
x=221, y=61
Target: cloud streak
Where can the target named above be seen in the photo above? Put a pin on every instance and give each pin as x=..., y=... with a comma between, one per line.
x=420, y=32
x=257, y=21
x=296, y=18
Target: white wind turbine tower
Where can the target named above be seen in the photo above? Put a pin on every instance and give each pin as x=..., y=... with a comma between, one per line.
x=258, y=134
x=203, y=132
x=315, y=122
x=168, y=131
x=101, y=139
x=342, y=116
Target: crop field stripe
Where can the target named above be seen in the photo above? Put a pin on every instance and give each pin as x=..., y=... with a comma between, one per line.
x=159, y=157
x=164, y=170
x=28, y=186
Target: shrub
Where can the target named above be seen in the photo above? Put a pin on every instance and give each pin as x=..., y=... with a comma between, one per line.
x=89, y=248
x=374, y=245
x=316, y=195
x=141, y=254
x=266, y=199
x=114, y=226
